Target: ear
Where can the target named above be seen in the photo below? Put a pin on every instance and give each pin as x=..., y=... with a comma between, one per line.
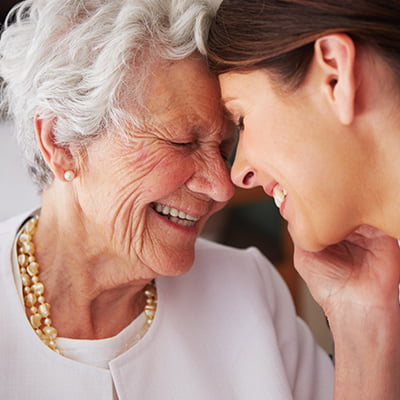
x=335, y=55
x=59, y=159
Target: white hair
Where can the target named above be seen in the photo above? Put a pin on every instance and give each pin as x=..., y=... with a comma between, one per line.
x=71, y=60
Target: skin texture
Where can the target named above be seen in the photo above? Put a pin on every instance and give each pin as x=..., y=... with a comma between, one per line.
x=99, y=239
x=332, y=145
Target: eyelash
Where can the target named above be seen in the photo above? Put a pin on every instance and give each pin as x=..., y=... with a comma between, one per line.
x=226, y=155
x=240, y=124
x=182, y=144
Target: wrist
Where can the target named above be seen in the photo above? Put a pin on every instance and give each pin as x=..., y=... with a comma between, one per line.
x=367, y=353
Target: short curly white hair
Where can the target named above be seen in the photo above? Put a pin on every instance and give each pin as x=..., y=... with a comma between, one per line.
x=73, y=60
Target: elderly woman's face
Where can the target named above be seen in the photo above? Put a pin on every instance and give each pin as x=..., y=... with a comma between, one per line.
x=149, y=197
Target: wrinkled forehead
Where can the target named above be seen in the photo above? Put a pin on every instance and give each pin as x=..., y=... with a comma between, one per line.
x=184, y=95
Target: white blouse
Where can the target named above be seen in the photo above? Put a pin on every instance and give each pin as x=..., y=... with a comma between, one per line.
x=225, y=330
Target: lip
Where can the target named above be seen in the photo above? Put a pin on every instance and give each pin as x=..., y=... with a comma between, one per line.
x=269, y=189
x=282, y=209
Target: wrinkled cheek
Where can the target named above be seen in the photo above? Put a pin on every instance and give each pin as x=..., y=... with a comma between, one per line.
x=128, y=230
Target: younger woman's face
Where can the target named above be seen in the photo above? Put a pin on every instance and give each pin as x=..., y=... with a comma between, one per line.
x=293, y=146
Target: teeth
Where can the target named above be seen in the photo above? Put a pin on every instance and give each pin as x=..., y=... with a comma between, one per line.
x=166, y=210
x=182, y=222
x=175, y=215
x=279, y=194
x=182, y=215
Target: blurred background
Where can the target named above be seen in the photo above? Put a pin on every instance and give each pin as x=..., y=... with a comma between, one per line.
x=250, y=219
x=5, y=6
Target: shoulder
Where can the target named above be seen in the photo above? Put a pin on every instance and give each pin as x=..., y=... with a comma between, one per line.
x=251, y=289
x=239, y=271
x=13, y=224
x=10, y=227
x=230, y=281
x=231, y=257
x=231, y=260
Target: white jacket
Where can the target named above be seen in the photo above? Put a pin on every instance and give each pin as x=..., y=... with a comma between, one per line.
x=225, y=330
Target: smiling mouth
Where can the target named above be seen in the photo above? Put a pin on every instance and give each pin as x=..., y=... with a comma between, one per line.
x=175, y=215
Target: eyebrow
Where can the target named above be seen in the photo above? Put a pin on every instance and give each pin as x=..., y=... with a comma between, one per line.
x=228, y=99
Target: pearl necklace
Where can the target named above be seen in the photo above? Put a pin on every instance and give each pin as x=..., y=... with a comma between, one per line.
x=33, y=289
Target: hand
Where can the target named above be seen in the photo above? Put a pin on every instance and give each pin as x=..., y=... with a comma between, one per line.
x=356, y=282
x=362, y=270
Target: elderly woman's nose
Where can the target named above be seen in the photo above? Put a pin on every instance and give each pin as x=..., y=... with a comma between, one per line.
x=213, y=179
x=242, y=173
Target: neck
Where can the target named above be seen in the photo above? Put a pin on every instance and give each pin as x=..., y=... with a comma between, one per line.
x=378, y=127
x=381, y=186
x=93, y=292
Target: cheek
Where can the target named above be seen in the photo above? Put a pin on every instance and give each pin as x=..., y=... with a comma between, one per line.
x=164, y=174
x=148, y=172
x=116, y=185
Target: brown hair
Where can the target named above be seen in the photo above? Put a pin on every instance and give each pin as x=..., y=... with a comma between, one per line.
x=279, y=35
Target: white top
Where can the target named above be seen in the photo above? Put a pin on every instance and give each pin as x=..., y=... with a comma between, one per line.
x=100, y=352
x=224, y=330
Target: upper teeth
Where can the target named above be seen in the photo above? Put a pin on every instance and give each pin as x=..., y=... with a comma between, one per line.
x=279, y=194
x=166, y=210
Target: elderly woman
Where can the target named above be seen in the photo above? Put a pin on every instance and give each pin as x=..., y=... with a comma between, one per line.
x=314, y=87
x=106, y=290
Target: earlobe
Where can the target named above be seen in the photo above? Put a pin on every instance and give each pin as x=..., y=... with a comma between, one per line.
x=58, y=158
x=335, y=55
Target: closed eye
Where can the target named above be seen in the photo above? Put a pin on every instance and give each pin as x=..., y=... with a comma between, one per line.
x=240, y=124
x=189, y=146
x=228, y=146
x=183, y=144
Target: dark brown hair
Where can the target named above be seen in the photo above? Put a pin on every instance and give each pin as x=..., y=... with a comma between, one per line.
x=279, y=35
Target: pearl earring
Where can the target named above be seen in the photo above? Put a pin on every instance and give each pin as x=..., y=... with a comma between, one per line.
x=69, y=175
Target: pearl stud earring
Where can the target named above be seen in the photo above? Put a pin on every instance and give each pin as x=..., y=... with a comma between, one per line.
x=69, y=175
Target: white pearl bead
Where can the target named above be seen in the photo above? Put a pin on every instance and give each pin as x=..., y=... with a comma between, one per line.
x=69, y=175
x=28, y=247
x=44, y=309
x=30, y=225
x=30, y=299
x=50, y=332
x=33, y=268
x=38, y=288
x=36, y=320
x=25, y=237
x=26, y=280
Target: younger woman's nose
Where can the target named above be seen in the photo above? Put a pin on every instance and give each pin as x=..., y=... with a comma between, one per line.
x=243, y=175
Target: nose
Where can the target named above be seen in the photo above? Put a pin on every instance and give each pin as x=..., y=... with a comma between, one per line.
x=242, y=173
x=212, y=179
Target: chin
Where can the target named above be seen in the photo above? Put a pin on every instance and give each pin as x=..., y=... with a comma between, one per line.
x=305, y=241
x=311, y=247
x=178, y=265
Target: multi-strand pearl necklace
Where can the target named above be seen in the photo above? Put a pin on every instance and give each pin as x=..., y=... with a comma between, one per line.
x=33, y=289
